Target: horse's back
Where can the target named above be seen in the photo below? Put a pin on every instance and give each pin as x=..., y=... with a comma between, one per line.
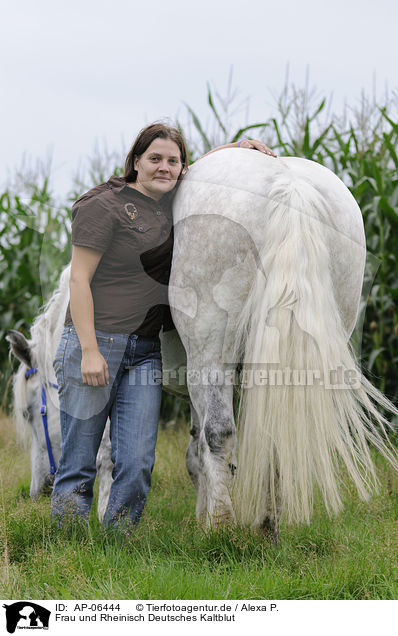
x=220, y=182
x=222, y=215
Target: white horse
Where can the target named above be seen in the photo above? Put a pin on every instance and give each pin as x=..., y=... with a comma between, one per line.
x=267, y=274
x=267, y=269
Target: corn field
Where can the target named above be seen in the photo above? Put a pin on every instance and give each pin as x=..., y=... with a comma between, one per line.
x=360, y=146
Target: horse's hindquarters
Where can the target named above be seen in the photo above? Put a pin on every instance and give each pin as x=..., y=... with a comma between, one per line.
x=269, y=254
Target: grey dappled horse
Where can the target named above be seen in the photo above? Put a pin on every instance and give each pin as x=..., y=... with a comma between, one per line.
x=267, y=271
x=267, y=274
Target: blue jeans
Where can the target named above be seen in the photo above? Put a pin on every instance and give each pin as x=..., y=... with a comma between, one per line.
x=131, y=401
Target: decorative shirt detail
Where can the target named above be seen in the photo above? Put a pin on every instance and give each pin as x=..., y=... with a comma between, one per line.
x=131, y=213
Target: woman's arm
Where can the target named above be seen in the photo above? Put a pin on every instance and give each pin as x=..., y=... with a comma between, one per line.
x=84, y=263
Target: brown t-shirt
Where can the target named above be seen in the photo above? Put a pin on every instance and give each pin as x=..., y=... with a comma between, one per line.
x=134, y=232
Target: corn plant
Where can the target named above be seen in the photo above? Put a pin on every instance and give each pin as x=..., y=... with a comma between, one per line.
x=34, y=248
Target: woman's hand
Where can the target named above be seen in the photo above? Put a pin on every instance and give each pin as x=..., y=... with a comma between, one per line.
x=245, y=143
x=256, y=145
x=94, y=368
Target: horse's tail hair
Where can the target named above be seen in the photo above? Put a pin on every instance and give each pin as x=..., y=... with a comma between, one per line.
x=297, y=429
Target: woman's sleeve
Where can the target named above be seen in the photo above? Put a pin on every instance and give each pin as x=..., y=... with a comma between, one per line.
x=92, y=225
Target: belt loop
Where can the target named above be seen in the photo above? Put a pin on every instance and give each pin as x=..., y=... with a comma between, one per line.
x=132, y=345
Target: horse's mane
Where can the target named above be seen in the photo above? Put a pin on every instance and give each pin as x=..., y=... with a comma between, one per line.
x=47, y=328
x=45, y=334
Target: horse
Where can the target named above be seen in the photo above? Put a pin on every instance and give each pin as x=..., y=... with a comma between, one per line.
x=265, y=287
x=267, y=272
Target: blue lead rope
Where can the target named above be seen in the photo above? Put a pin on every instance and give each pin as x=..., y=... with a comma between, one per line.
x=43, y=413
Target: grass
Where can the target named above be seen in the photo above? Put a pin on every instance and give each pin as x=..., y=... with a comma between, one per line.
x=353, y=556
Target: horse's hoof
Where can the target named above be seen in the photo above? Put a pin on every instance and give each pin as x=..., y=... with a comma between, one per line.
x=270, y=530
x=223, y=521
x=220, y=519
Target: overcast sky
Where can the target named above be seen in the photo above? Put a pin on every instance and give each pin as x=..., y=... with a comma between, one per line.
x=85, y=70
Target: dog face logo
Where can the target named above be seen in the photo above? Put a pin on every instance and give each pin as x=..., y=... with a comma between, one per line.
x=26, y=615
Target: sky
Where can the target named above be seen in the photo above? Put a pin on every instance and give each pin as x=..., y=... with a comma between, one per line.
x=83, y=73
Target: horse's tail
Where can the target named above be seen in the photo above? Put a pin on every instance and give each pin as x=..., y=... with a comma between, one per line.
x=295, y=424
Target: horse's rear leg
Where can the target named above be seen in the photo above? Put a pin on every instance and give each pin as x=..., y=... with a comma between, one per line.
x=216, y=452
x=269, y=526
x=270, y=529
x=192, y=454
x=104, y=472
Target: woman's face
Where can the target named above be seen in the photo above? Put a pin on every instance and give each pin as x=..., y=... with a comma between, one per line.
x=158, y=168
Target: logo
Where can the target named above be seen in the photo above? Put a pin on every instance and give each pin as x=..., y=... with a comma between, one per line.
x=131, y=213
x=26, y=615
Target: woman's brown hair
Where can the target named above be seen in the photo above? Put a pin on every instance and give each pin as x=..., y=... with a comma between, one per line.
x=144, y=139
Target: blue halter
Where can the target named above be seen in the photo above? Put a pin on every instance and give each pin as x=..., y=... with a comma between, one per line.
x=43, y=413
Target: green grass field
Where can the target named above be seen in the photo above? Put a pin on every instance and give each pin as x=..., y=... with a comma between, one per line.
x=353, y=556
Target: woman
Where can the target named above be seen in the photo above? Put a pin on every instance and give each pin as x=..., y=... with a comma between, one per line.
x=108, y=362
